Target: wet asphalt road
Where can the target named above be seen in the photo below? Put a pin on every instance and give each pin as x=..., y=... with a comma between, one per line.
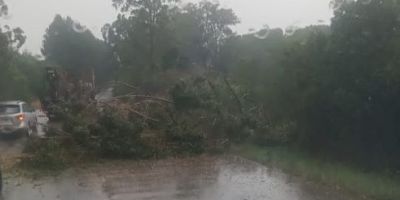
x=199, y=178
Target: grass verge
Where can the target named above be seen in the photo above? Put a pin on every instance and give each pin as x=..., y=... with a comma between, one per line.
x=373, y=185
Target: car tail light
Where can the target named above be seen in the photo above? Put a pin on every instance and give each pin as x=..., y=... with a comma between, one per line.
x=21, y=117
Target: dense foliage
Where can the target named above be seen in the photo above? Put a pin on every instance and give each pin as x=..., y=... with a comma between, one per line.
x=21, y=71
x=337, y=84
x=150, y=37
x=74, y=48
x=328, y=89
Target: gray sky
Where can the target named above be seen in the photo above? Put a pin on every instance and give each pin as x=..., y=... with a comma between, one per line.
x=33, y=16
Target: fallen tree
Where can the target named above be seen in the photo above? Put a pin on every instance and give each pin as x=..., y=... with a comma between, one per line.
x=197, y=115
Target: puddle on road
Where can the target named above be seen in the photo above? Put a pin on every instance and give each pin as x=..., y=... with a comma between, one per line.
x=199, y=178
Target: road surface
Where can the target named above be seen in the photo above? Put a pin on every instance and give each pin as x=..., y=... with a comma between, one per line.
x=199, y=178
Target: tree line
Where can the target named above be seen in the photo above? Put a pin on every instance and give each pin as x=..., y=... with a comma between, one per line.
x=19, y=77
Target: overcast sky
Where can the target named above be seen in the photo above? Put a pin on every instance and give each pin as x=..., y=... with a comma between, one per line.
x=33, y=16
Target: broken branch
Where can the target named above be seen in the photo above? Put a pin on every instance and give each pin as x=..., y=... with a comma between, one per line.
x=126, y=85
x=144, y=97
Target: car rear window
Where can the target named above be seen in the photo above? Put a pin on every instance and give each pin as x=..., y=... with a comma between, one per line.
x=9, y=109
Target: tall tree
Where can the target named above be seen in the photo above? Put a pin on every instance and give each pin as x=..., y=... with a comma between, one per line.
x=71, y=46
x=143, y=25
x=365, y=63
x=3, y=8
x=213, y=26
x=11, y=39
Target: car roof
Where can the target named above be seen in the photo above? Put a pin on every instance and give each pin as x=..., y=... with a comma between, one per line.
x=11, y=102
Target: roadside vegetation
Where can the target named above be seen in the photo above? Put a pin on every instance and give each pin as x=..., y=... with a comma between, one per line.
x=45, y=155
x=185, y=83
x=340, y=176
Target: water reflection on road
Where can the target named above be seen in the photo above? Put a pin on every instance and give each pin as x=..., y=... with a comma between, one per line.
x=199, y=178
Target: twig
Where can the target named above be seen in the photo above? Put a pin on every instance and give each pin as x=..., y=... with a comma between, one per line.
x=142, y=115
x=145, y=97
x=214, y=90
x=171, y=115
x=55, y=137
x=136, y=112
x=126, y=85
x=238, y=102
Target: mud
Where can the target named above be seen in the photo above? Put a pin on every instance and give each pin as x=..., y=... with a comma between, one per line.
x=199, y=178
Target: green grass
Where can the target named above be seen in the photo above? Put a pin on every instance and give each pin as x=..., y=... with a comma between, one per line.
x=373, y=185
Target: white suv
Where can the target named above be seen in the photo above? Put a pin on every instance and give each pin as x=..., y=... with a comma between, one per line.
x=17, y=117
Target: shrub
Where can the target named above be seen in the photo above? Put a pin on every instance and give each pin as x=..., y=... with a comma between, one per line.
x=46, y=154
x=275, y=134
x=185, y=141
x=213, y=107
x=118, y=137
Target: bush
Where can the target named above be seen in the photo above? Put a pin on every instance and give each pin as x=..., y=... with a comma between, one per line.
x=114, y=136
x=46, y=154
x=275, y=134
x=183, y=141
x=214, y=108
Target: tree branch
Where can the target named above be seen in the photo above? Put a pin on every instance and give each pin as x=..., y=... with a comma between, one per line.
x=238, y=102
x=126, y=85
x=142, y=115
x=144, y=97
